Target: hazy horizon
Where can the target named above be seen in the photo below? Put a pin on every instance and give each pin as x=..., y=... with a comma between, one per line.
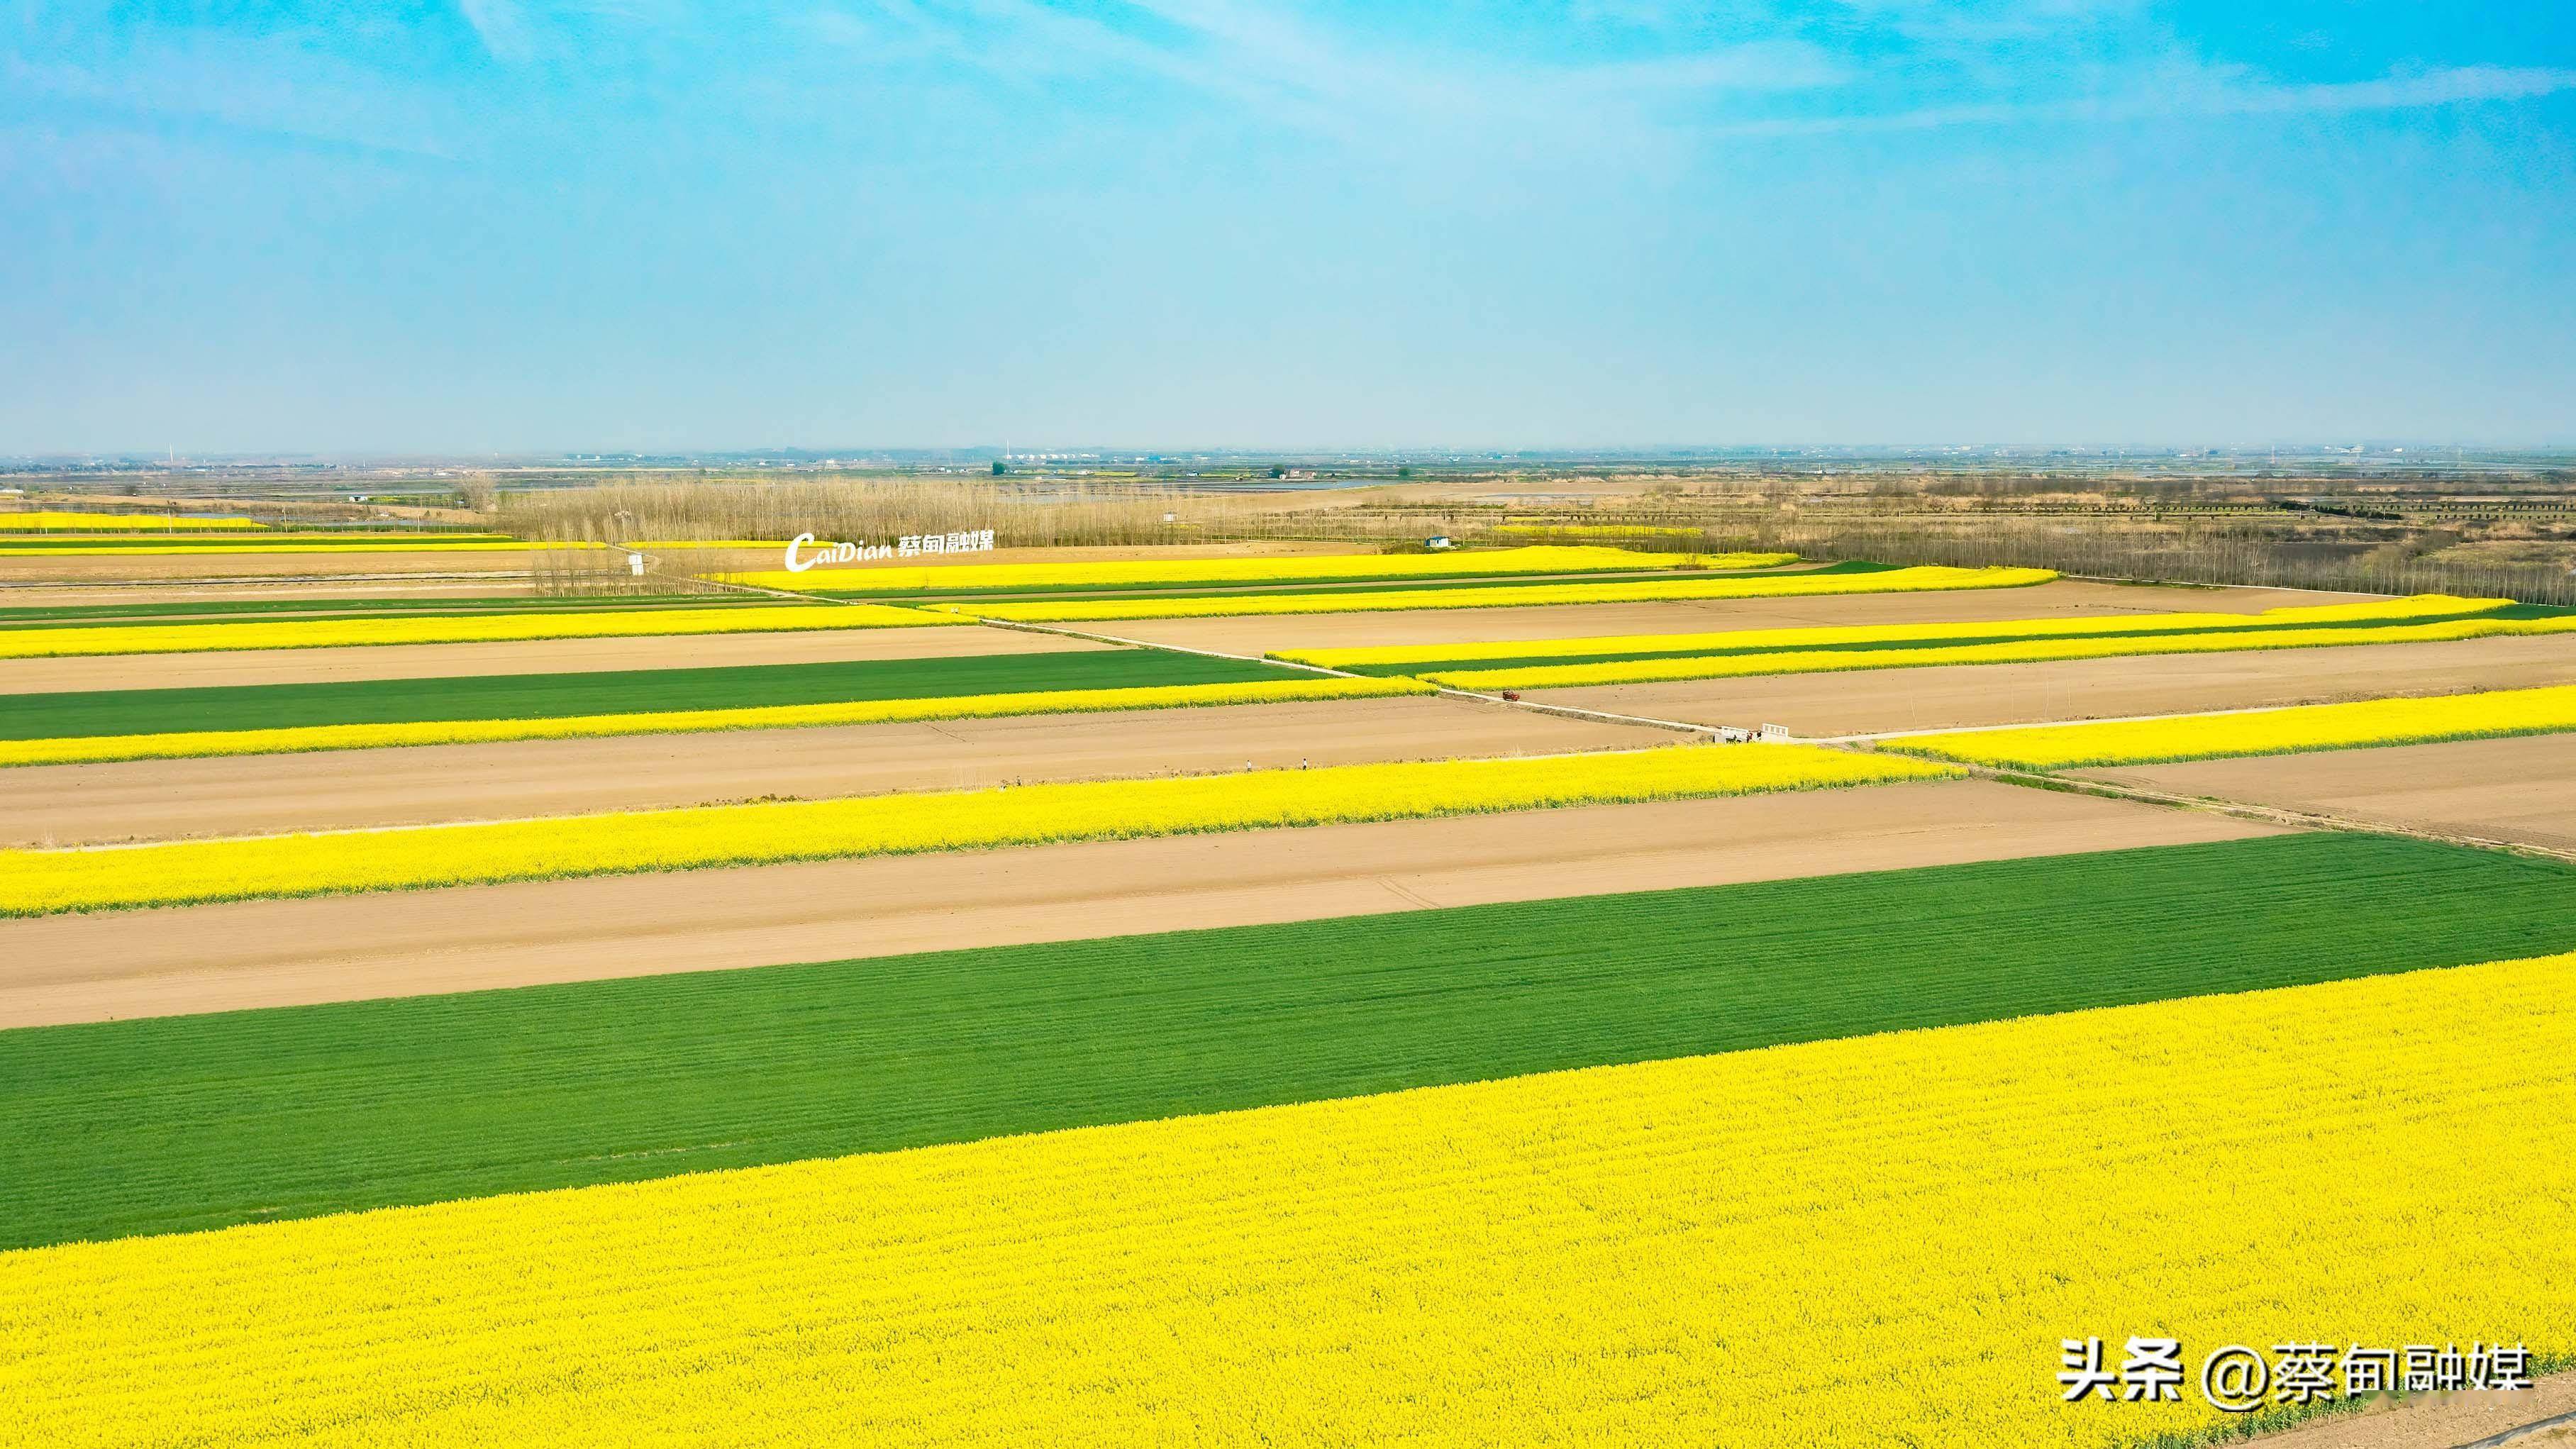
x=2377, y=450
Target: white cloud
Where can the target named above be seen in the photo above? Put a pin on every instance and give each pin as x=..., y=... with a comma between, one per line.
x=2180, y=92
x=1286, y=71
x=223, y=87
x=2454, y=86
x=502, y=26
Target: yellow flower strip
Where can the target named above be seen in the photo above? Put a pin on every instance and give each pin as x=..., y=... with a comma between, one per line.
x=2360, y=723
x=287, y=544
x=2019, y=651
x=50, y=522
x=304, y=738
x=2420, y=606
x=1678, y=588
x=485, y=628
x=35, y=882
x=1872, y=1240
x=1283, y=568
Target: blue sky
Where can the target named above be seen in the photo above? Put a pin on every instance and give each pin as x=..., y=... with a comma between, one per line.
x=650, y=224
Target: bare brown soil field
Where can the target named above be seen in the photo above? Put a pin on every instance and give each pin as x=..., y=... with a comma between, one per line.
x=261, y=794
x=2443, y=1421
x=1962, y=695
x=2064, y=598
x=534, y=656
x=276, y=953
x=2521, y=790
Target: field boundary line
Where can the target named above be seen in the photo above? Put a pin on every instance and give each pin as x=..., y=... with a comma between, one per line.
x=2285, y=815
x=1712, y=732
x=1443, y=691
x=2249, y=810
x=2053, y=724
x=2214, y=804
x=2135, y=581
x=1567, y=711
x=772, y=593
x=2495, y=1441
x=108, y=846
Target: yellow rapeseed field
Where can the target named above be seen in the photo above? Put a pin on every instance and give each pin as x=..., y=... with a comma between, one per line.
x=1517, y=651
x=484, y=628
x=40, y=521
x=1677, y=587
x=2019, y=651
x=2260, y=732
x=301, y=739
x=282, y=543
x=1875, y=1240
x=35, y=882
x=1283, y=568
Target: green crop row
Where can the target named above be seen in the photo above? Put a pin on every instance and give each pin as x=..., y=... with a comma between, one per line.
x=551, y=696
x=182, y=1123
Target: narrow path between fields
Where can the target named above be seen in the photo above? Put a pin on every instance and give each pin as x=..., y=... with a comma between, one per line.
x=2544, y=1414
x=2234, y=809
x=2434, y=1424
x=2240, y=810
x=1118, y=641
